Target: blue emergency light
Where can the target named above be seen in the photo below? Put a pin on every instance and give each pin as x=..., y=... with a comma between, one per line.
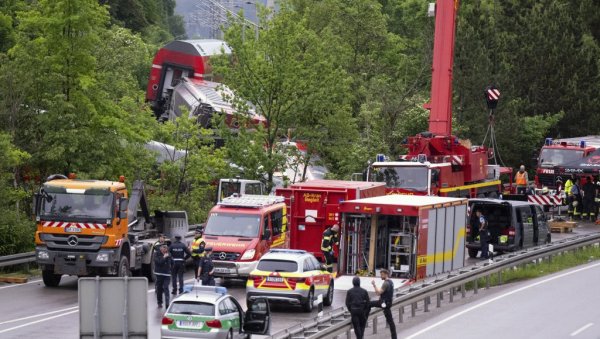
x=380, y=157
x=548, y=142
x=582, y=144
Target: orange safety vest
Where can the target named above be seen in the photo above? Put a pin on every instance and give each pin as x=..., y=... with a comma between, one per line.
x=520, y=179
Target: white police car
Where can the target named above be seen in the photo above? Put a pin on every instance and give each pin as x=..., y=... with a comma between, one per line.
x=209, y=312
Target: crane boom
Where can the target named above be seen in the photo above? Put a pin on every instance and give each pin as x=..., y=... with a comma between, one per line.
x=440, y=106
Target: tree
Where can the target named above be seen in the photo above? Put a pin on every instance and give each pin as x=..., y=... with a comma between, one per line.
x=288, y=74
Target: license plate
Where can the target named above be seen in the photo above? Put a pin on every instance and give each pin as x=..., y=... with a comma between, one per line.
x=73, y=229
x=190, y=324
x=223, y=270
x=274, y=279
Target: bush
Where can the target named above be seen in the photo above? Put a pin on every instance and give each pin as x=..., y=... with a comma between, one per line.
x=16, y=233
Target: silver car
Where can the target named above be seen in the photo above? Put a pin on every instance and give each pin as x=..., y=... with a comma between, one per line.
x=209, y=312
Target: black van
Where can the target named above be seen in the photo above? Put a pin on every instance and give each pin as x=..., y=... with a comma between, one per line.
x=512, y=224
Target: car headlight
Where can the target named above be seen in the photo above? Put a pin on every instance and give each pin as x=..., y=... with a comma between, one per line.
x=43, y=255
x=249, y=254
x=102, y=257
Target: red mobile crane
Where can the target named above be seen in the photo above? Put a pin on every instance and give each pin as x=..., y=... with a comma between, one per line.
x=438, y=163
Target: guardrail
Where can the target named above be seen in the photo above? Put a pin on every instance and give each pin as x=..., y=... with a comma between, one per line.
x=17, y=259
x=337, y=322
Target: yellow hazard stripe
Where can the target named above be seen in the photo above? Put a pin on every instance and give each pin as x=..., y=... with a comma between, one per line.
x=423, y=260
x=466, y=187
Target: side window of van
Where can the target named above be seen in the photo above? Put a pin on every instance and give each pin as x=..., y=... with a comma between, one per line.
x=277, y=222
x=526, y=215
x=540, y=214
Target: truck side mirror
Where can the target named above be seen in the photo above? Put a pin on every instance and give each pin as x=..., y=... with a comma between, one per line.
x=123, y=204
x=266, y=235
x=36, y=201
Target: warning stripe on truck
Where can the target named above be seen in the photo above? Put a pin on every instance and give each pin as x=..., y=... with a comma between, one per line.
x=83, y=225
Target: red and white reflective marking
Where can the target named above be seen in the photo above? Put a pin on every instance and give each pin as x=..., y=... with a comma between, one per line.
x=493, y=94
x=84, y=225
x=156, y=66
x=457, y=159
x=553, y=200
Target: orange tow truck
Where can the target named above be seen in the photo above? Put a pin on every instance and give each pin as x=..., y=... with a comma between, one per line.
x=93, y=227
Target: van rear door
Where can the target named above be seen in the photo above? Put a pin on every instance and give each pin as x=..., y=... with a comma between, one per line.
x=542, y=229
x=526, y=222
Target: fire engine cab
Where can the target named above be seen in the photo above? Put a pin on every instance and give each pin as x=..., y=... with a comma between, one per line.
x=240, y=229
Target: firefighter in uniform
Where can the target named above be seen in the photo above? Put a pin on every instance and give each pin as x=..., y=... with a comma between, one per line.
x=589, y=199
x=569, y=195
x=180, y=253
x=330, y=237
x=197, y=249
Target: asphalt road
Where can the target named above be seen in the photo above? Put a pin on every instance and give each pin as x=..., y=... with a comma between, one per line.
x=32, y=310
x=562, y=305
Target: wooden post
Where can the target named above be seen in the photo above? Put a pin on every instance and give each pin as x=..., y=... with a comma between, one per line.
x=372, y=242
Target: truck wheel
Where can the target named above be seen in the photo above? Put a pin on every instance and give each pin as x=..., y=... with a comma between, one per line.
x=148, y=271
x=124, y=267
x=473, y=252
x=328, y=299
x=308, y=305
x=50, y=279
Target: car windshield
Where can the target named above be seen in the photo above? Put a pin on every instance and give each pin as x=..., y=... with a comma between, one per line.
x=233, y=224
x=192, y=308
x=77, y=205
x=550, y=157
x=413, y=178
x=271, y=265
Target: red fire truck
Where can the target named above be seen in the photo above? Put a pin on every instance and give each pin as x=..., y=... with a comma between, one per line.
x=314, y=205
x=439, y=163
x=558, y=152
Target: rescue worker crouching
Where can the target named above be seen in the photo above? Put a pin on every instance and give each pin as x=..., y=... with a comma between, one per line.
x=207, y=268
x=197, y=249
x=330, y=237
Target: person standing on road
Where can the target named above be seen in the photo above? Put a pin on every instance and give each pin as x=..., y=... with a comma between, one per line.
x=521, y=180
x=357, y=302
x=589, y=199
x=162, y=240
x=576, y=199
x=197, y=249
x=207, y=268
x=569, y=195
x=330, y=237
x=180, y=253
x=386, y=294
x=163, y=264
x=484, y=235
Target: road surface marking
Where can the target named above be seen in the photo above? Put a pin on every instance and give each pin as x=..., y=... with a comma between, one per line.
x=39, y=315
x=37, y=321
x=581, y=329
x=14, y=285
x=74, y=310
x=456, y=315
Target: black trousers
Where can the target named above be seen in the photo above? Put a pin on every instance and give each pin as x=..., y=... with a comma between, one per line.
x=196, y=261
x=177, y=274
x=207, y=280
x=387, y=312
x=328, y=261
x=162, y=288
x=359, y=322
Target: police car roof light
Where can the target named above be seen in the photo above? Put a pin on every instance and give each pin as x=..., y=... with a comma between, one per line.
x=211, y=289
x=284, y=250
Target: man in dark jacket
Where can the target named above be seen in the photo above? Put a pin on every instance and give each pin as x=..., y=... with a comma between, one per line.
x=163, y=263
x=207, y=268
x=180, y=253
x=330, y=237
x=386, y=295
x=589, y=199
x=357, y=302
